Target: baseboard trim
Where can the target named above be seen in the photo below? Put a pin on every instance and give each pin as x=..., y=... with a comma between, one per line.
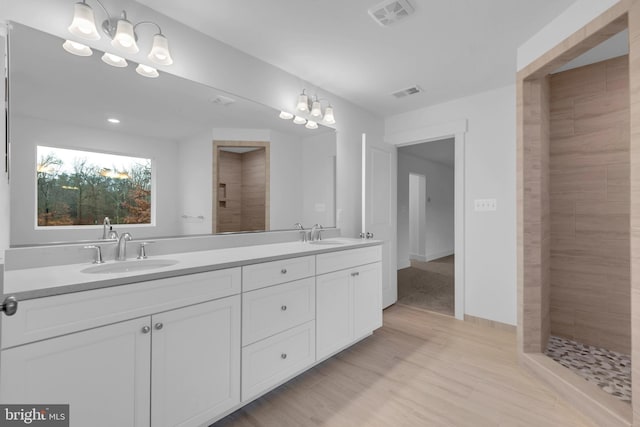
x=595, y=404
x=490, y=323
x=438, y=255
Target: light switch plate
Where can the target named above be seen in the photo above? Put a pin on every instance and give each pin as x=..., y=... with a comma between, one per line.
x=485, y=205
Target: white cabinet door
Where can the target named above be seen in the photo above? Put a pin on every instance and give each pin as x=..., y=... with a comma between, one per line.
x=367, y=299
x=102, y=373
x=334, y=313
x=195, y=363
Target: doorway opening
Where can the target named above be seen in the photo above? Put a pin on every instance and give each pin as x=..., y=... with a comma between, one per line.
x=426, y=218
x=241, y=173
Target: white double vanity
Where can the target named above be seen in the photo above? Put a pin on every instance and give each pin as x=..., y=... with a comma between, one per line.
x=183, y=339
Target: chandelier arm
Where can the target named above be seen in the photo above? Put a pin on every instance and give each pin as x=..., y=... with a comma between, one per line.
x=148, y=22
x=103, y=8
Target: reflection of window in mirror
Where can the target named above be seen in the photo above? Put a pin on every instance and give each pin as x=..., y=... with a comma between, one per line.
x=83, y=187
x=241, y=186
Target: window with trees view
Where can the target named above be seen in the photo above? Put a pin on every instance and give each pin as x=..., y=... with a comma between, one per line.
x=82, y=187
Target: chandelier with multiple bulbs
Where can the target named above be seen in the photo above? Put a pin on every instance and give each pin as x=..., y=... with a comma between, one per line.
x=123, y=37
x=313, y=109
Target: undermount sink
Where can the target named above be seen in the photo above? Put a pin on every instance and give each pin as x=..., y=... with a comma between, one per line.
x=129, y=266
x=328, y=242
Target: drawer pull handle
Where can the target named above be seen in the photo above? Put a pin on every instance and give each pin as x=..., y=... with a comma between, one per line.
x=146, y=329
x=283, y=308
x=283, y=355
x=158, y=326
x=355, y=273
x=283, y=271
x=9, y=306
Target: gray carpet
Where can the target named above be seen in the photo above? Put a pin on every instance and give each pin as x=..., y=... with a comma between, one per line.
x=428, y=285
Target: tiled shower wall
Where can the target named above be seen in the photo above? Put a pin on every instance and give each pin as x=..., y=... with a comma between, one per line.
x=589, y=202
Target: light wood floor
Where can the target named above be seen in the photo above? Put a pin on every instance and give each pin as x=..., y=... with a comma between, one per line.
x=420, y=369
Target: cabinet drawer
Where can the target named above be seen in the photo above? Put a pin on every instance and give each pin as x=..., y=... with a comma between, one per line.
x=267, y=311
x=48, y=317
x=258, y=276
x=271, y=361
x=341, y=260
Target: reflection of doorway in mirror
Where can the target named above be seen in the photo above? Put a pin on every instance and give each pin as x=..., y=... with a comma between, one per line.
x=240, y=186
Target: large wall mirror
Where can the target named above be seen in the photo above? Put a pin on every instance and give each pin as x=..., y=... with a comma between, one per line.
x=89, y=141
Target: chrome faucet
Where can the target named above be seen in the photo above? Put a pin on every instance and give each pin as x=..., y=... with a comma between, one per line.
x=315, y=232
x=302, y=231
x=110, y=233
x=121, y=253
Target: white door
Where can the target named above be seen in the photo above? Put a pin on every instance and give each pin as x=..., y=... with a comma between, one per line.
x=102, y=373
x=195, y=363
x=379, y=210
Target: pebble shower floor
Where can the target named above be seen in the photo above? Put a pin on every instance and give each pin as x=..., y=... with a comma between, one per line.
x=610, y=370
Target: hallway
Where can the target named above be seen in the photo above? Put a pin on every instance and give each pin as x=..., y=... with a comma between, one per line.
x=428, y=285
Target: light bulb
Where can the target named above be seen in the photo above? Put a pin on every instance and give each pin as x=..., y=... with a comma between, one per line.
x=303, y=102
x=316, y=111
x=146, y=71
x=299, y=120
x=328, y=116
x=77, y=48
x=114, y=60
x=125, y=38
x=160, y=51
x=83, y=24
x=286, y=115
x=311, y=125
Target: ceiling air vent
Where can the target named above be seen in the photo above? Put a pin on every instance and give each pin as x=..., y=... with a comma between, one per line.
x=390, y=11
x=406, y=92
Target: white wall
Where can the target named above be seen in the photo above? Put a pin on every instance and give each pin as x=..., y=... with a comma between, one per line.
x=301, y=175
x=287, y=164
x=490, y=245
x=319, y=180
x=438, y=208
x=195, y=157
x=571, y=20
x=208, y=61
x=29, y=132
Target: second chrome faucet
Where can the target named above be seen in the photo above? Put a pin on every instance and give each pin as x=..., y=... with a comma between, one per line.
x=121, y=250
x=310, y=235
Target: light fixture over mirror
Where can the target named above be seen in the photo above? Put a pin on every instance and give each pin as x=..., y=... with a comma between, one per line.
x=123, y=38
x=314, y=110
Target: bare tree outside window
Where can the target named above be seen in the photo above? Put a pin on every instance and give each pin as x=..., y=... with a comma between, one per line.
x=81, y=188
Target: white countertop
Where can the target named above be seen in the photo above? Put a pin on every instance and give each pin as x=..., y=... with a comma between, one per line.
x=41, y=282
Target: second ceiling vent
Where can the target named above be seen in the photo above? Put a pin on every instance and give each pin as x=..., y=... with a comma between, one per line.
x=391, y=11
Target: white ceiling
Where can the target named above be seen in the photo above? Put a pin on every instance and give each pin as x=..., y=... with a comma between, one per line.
x=451, y=48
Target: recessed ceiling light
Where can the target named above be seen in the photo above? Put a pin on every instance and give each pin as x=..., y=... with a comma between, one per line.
x=113, y=120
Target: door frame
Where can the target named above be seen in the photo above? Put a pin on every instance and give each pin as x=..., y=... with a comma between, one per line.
x=456, y=130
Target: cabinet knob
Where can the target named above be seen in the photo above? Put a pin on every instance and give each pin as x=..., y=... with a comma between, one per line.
x=9, y=306
x=283, y=308
x=283, y=271
x=355, y=273
x=283, y=355
x=146, y=329
x=158, y=326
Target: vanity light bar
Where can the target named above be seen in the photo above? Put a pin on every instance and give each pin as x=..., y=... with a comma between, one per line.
x=123, y=37
x=313, y=109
